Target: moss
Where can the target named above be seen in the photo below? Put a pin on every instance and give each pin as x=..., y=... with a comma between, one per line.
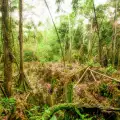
x=47, y=115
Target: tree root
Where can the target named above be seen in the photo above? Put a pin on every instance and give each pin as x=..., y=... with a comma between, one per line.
x=23, y=83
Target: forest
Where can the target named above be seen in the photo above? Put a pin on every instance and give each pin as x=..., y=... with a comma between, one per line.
x=59, y=59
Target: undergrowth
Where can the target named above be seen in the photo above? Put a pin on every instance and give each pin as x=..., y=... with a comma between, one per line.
x=7, y=106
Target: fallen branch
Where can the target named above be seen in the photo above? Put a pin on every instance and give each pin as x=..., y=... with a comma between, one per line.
x=105, y=76
x=93, y=71
x=93, y=76
x=3, y=91
x=82, y=76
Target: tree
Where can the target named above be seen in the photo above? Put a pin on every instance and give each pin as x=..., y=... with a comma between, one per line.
x=22, y=82
x=114, y=34
x=8, y=58
x=100, y=42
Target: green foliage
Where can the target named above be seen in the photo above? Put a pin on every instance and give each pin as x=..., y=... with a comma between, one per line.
x=53, y=117
x=78, y=38
x=33, y=113
x=83, y=116
x=75, y=5
x=105, y=90
x=110, y=70
x=7, y=105
x=14, y=5
x=29, y=56
x=106, y=32
x=53, y=82
x=91, y=63
x=47, y=51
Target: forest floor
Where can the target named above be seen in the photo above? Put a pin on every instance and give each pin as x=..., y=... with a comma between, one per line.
x=49, y=83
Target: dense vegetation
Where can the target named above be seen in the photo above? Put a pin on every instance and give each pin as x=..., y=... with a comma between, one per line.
x=66, y=68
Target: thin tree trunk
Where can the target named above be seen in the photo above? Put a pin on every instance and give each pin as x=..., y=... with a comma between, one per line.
x=118, y=65
x=118, y=54
x=114, y=36
x=7, y=48
x=70, y=40
x=100, y=42
x=21, y=39
x=22, y=83
x=62, y=52
x=90, y=43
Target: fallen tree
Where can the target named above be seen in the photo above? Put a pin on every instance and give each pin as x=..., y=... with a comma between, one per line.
x=86, y=108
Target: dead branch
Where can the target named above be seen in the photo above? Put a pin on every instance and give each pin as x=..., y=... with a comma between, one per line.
x=105, y=76
x=82, y=76
x=3, y=91
x=93, y=75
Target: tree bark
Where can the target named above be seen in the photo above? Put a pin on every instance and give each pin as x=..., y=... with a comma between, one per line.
x=100, y=42
x=7, y=48
x=21, y=39
x=22, y=82
x=114, y=36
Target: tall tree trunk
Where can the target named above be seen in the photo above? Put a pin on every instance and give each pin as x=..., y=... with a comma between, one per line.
x=22, y=82
x=21, y=38
x=90, y=43
x=70, y=40
x=7, y=48
x=118, y=65
x=114, y=36
x=100, y=42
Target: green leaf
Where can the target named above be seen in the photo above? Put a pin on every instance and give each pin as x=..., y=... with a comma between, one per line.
x=78, y=112
x=53, y=118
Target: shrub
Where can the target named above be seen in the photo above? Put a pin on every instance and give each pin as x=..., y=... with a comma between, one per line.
x=29, y=56
x=105, y=90
x=110, y=70
x=33, y=113
x=7, y=105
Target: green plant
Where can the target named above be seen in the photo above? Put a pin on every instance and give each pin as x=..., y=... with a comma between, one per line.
x=91, y=63
x=110, y=70
x=33, y=113
x=7, y=105
x=83, y=116
x=53, y=117
x=29, y=56
x=104, y=90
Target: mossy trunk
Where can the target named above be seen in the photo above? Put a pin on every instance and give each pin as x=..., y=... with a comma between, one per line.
x=22, y=82
x=7, y=45
x=85, y=108
x=52, y=110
